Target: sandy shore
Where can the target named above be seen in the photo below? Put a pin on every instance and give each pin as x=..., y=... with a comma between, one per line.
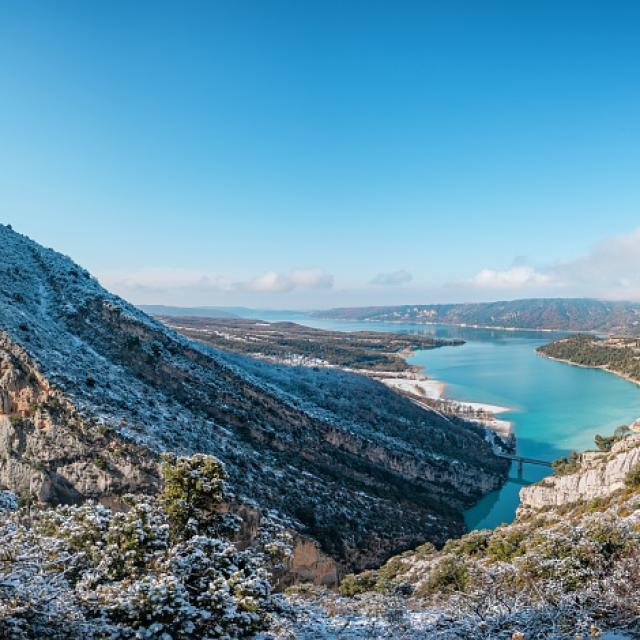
x=417, y=386
x=430, y=393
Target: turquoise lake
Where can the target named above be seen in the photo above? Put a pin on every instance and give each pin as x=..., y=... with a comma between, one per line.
x=555, y=407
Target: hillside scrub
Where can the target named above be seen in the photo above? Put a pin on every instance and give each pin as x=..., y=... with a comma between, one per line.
x=347, y=461
x=562, y=574
x=154, y=571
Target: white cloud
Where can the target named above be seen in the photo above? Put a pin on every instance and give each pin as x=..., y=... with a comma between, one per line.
x=514, y=278
x=611, y=269
x=296, y=279
x=167, y=281
x=164, y=279
x=392, y=279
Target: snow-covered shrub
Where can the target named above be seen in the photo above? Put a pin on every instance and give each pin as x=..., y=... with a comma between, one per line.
x=194, y=489
x=8, y=501
x=148, y=572
x=555, y=575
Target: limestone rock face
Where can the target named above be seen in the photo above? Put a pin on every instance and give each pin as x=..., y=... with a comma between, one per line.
x=600, y=474
x=48, y=454
x=309, y=564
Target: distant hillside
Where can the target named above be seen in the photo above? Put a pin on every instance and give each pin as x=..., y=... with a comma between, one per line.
x=349, y=463
x=619, y=355
x=560, y=314
x=193, y=312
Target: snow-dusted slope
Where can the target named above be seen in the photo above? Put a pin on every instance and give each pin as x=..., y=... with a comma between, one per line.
x=358, y=467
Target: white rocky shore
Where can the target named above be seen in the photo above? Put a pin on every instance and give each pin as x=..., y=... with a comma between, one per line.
x=430, y=393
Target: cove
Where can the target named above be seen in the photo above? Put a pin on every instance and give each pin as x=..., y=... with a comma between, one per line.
x=555, y=407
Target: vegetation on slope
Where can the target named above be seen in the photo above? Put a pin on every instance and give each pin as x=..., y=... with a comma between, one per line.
x=563, y=572
x=165, y=568
x=364, y=471
x=620, y=355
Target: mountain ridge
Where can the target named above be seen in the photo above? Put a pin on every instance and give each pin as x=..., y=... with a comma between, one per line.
x=352, y=465
x=559, y=314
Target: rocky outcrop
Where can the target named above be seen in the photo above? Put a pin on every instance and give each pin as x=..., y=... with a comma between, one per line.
x=600, y=474
x=309, y=564
x=50, y=453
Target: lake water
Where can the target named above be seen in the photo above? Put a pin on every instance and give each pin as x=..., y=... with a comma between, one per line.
x=555, y=407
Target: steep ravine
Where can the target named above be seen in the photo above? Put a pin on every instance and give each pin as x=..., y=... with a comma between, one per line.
x=358, y=471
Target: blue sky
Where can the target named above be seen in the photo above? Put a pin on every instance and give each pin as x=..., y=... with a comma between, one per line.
x=309, y=154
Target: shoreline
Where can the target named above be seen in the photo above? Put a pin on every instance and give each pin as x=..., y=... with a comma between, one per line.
x=634, y=425
x=601, y=367
x=429, y=393
x=464, y=325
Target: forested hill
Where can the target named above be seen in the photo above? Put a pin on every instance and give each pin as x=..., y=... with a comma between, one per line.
x=619, y=355
x=562, y=314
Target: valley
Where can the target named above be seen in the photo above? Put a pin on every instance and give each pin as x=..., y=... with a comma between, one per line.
x=380, y=355
x=358, y=472
x=329, y=460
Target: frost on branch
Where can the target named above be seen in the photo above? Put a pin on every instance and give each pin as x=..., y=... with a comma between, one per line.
x=8, y=501
x=163, y=569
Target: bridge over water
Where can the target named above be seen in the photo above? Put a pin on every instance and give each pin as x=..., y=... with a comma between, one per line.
x=522, y=460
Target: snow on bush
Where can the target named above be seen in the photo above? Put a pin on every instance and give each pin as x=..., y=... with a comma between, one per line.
x=163, y=569
x=8, y=501
x=559, y=575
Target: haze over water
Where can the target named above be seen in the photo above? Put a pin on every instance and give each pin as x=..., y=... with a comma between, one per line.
x=555, y=407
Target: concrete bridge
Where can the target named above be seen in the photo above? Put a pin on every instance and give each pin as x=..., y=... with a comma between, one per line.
x=521, y=460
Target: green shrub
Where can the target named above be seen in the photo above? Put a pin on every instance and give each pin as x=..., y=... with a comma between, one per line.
x=605, y=443
x=566, y=464
x=448, y=575
x=100, y=462
x=610, y=536
x=473, y=544
x=632, y=479
x=505, y=544
x=16, y=421
x=352, y=585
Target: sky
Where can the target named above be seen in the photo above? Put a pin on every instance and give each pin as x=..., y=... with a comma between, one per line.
x=314, y=154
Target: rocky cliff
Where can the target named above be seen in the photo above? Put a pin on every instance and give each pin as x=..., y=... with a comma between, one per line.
x=51, y=453
x=567, y=567
x=90, y=383
x=600, y=474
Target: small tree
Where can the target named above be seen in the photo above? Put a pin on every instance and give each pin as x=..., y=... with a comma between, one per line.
x=194, y=490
